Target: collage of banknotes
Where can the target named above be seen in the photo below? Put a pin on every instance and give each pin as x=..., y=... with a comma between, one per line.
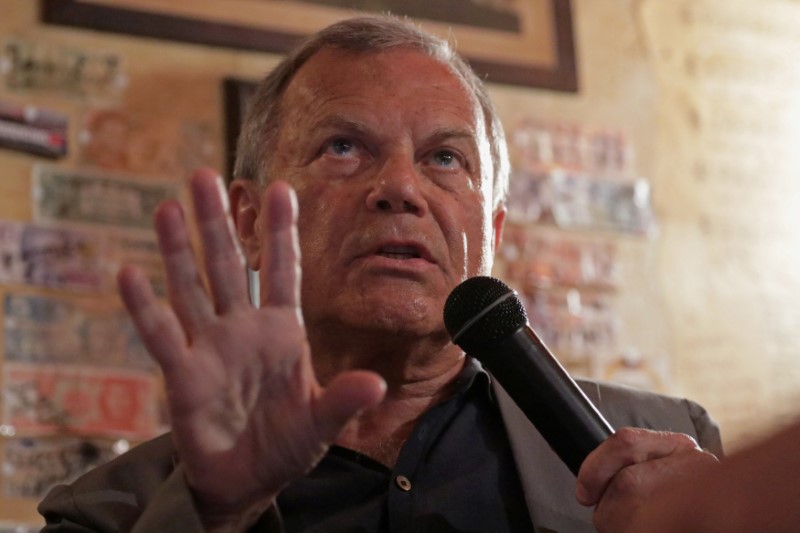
x=78, y=386
x=576, y=212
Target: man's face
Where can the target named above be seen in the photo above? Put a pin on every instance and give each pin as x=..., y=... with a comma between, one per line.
x=390, y=159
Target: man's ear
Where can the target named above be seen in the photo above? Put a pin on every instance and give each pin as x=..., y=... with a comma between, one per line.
x=498, y=222
x=245, y=197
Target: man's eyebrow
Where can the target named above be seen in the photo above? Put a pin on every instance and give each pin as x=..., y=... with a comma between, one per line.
x=342, y=122
x=442, y=134
x=350, y=125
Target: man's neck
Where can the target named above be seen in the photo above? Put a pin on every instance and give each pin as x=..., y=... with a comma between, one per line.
x=418, y=374
x=381, y=432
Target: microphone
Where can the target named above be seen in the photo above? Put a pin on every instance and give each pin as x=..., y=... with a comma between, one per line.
x=486, y=319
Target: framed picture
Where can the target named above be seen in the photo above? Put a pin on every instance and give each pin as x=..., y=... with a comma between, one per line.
x=236, y=94
x=521, y=42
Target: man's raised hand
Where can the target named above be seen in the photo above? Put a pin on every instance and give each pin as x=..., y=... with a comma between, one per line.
x=247, y=413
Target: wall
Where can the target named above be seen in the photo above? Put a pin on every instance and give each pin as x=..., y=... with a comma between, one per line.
x=727, y=168
x=707, y=91
x=704, y=89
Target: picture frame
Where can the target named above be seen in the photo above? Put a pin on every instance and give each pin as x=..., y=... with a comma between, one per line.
x=236, y=94
x=534, y=47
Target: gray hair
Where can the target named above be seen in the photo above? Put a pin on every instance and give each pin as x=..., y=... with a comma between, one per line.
x=363, y=34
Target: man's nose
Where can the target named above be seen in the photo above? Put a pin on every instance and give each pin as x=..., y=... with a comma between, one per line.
x=397, y=188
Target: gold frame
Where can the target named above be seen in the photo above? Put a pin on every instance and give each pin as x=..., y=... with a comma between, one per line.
x=541, y=54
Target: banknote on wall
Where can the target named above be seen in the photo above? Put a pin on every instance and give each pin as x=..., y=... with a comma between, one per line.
x=96, y=198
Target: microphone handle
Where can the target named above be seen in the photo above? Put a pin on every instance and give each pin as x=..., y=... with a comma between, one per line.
x=548, y=396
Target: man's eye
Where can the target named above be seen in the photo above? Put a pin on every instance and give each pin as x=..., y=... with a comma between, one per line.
x=445, y=159
x=341, y=147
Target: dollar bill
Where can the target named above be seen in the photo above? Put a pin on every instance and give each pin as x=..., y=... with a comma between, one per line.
x=91, y=75
x=89, y=197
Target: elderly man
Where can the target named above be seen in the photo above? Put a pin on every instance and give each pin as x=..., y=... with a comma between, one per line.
x=340, y=404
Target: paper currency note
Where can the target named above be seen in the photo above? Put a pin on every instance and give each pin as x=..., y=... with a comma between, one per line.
x=84, y=73
x=38, y=329
x=88, y=197
x=51, y=257
x=119, y=139
x=49, y=399
x=74, y=258
x=142, y=252
x=581, y=201
x=31, y=466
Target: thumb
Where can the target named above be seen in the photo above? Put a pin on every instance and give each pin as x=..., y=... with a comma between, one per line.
x=345, y=396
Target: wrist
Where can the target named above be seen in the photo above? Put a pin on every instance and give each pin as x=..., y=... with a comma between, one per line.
x=233, y=516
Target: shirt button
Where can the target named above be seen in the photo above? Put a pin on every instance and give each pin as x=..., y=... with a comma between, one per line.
x=403, y=482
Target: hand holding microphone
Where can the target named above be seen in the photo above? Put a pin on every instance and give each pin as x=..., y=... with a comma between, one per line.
x=486, y=319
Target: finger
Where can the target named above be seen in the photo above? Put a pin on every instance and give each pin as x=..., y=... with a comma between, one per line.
x=345, y=396
x=158, y=327
x=222, y=257
x=185, y=289
x=625, y=447
x=637, y=488
x=280, y=273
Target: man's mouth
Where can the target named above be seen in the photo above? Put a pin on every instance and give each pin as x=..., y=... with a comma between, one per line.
x=399, y=252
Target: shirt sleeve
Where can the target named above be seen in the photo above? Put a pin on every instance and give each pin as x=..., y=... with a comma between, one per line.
x=141, y=491
x=708, y=434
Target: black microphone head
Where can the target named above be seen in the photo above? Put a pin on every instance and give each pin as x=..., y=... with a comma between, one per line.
x=481, y=310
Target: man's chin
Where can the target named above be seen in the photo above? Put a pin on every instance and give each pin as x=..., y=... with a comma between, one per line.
x=394, y=305
x=410, y=316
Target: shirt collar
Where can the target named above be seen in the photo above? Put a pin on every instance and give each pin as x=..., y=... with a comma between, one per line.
x=473, y=376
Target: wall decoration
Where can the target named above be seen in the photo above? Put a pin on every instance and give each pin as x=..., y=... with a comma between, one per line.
x=74, y=259
x=43, y=399
x=535, y=261
x=578, y=200
x=97, y=198
x=55, y=330
x=114, y=138
x=523, y=42
x=86, y=74
x=577, y=176
x=33, y=130
x=236, y=94
x=32, y=466
x=76, y=367
x=53, y=257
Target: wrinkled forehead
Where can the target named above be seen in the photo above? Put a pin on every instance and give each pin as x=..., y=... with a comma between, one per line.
x=335, y=73
x=369, y=83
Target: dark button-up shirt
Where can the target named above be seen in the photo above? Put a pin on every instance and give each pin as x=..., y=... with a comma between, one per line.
x=455, y=472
